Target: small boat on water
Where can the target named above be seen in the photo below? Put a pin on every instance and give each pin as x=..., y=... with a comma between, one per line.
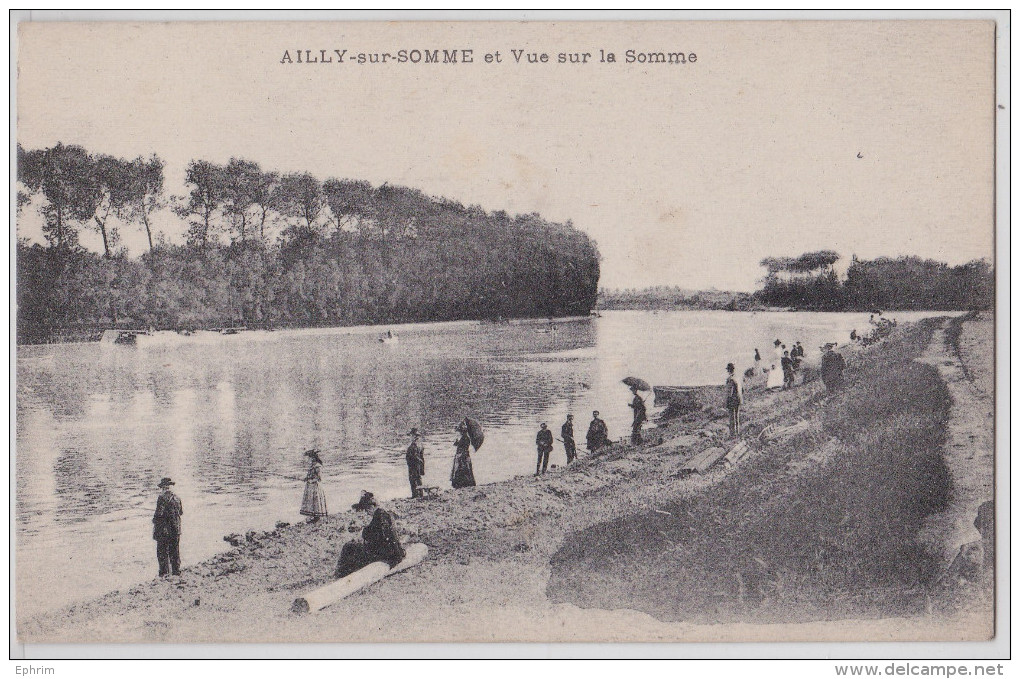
x=389, y=338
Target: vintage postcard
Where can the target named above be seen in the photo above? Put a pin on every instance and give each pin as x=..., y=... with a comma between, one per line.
x=551, y=331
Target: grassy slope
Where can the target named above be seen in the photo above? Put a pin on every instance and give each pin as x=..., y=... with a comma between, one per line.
x=820, y=526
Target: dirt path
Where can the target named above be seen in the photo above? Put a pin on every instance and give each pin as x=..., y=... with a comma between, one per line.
x=970, y=448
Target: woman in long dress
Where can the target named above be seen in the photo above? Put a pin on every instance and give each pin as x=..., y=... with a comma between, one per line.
x=775, y=378
x=313, y=505
x=462, y=475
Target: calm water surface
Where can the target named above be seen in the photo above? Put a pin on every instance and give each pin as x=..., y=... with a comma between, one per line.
x=227, y=419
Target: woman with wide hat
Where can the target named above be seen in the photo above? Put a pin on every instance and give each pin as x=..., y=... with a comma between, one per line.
x=462, y=475
x=313, y=505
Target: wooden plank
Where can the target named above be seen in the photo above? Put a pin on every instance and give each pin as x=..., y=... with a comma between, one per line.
x=704, y=460
x=738, y=452
x=333, y=592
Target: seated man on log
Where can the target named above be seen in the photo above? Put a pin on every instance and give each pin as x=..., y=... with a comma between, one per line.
x=379, y=542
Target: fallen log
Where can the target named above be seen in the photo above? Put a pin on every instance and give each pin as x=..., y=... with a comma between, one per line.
x=329, y=594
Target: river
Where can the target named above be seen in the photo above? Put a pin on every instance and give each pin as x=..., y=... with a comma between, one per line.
x=97, y=427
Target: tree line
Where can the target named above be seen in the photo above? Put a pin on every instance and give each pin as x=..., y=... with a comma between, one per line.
x=270, y=249
x=810, y=281
x=671, y=297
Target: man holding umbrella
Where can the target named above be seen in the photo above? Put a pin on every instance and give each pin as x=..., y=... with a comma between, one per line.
x=638, y=405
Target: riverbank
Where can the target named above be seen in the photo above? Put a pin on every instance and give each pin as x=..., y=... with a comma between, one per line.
x=620, y=546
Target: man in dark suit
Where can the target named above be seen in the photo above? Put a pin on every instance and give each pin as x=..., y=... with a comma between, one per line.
x=544, y=444
x=567, y=432
x=415, y=463
x=598, y=433
x=166, y=530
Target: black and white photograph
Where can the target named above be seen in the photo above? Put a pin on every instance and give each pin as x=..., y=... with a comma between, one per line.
x=506, y=331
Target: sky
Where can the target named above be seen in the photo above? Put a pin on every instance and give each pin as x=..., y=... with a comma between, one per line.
x=868, y=138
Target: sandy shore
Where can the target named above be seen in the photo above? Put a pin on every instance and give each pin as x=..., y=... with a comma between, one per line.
x=489, y=575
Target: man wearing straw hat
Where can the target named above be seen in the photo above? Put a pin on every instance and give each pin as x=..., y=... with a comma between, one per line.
x=166, y=530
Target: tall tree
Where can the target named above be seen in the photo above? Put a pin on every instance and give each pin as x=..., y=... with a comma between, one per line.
x=204, y=201
x=350, y=202
x=145, y=192
x=65, y=175
x=240, y=179
x=115, y=184
x=263, y=197
x=299, y=197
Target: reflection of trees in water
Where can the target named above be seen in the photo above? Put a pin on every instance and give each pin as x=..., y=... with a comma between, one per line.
x=82, y=491
x=346, y=394
x=350, y=396
x=65, y=394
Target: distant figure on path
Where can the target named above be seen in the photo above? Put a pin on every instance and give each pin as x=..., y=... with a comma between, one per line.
x=640, y=416
x=757, y=362
x=787, y=364
x=462, y=475
x=379, y=542
x=598, y=433
x=832, y=369
x=567, y=432
x=544, y=443
x=313, y=504
x=166, y=530
x=734, y=399
x=415, y=462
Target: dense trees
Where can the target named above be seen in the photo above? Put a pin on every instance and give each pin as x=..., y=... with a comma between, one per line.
x=811, y=282
x=269, y=250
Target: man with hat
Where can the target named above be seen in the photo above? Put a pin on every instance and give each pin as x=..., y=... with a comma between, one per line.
x=567, y=432
x=832, y=369
x=415, y=462
x=544, y=443
x=598, y=432
x=166, y=530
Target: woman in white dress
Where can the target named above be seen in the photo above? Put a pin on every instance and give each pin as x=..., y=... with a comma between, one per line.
x=313, y=505
x=775, y=377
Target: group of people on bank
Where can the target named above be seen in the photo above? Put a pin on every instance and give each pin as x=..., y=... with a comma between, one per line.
x=598, y=437
x=379, y=539
x=781, y=372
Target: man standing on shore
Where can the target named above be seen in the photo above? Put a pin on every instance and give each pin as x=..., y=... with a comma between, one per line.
x=640, y=415
x=734, y=399
x=787, y=364
x=544, y=443
x=598, y=433
x=415, y=462
x=166, y=530
x=833, y=366
x=567, y=432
